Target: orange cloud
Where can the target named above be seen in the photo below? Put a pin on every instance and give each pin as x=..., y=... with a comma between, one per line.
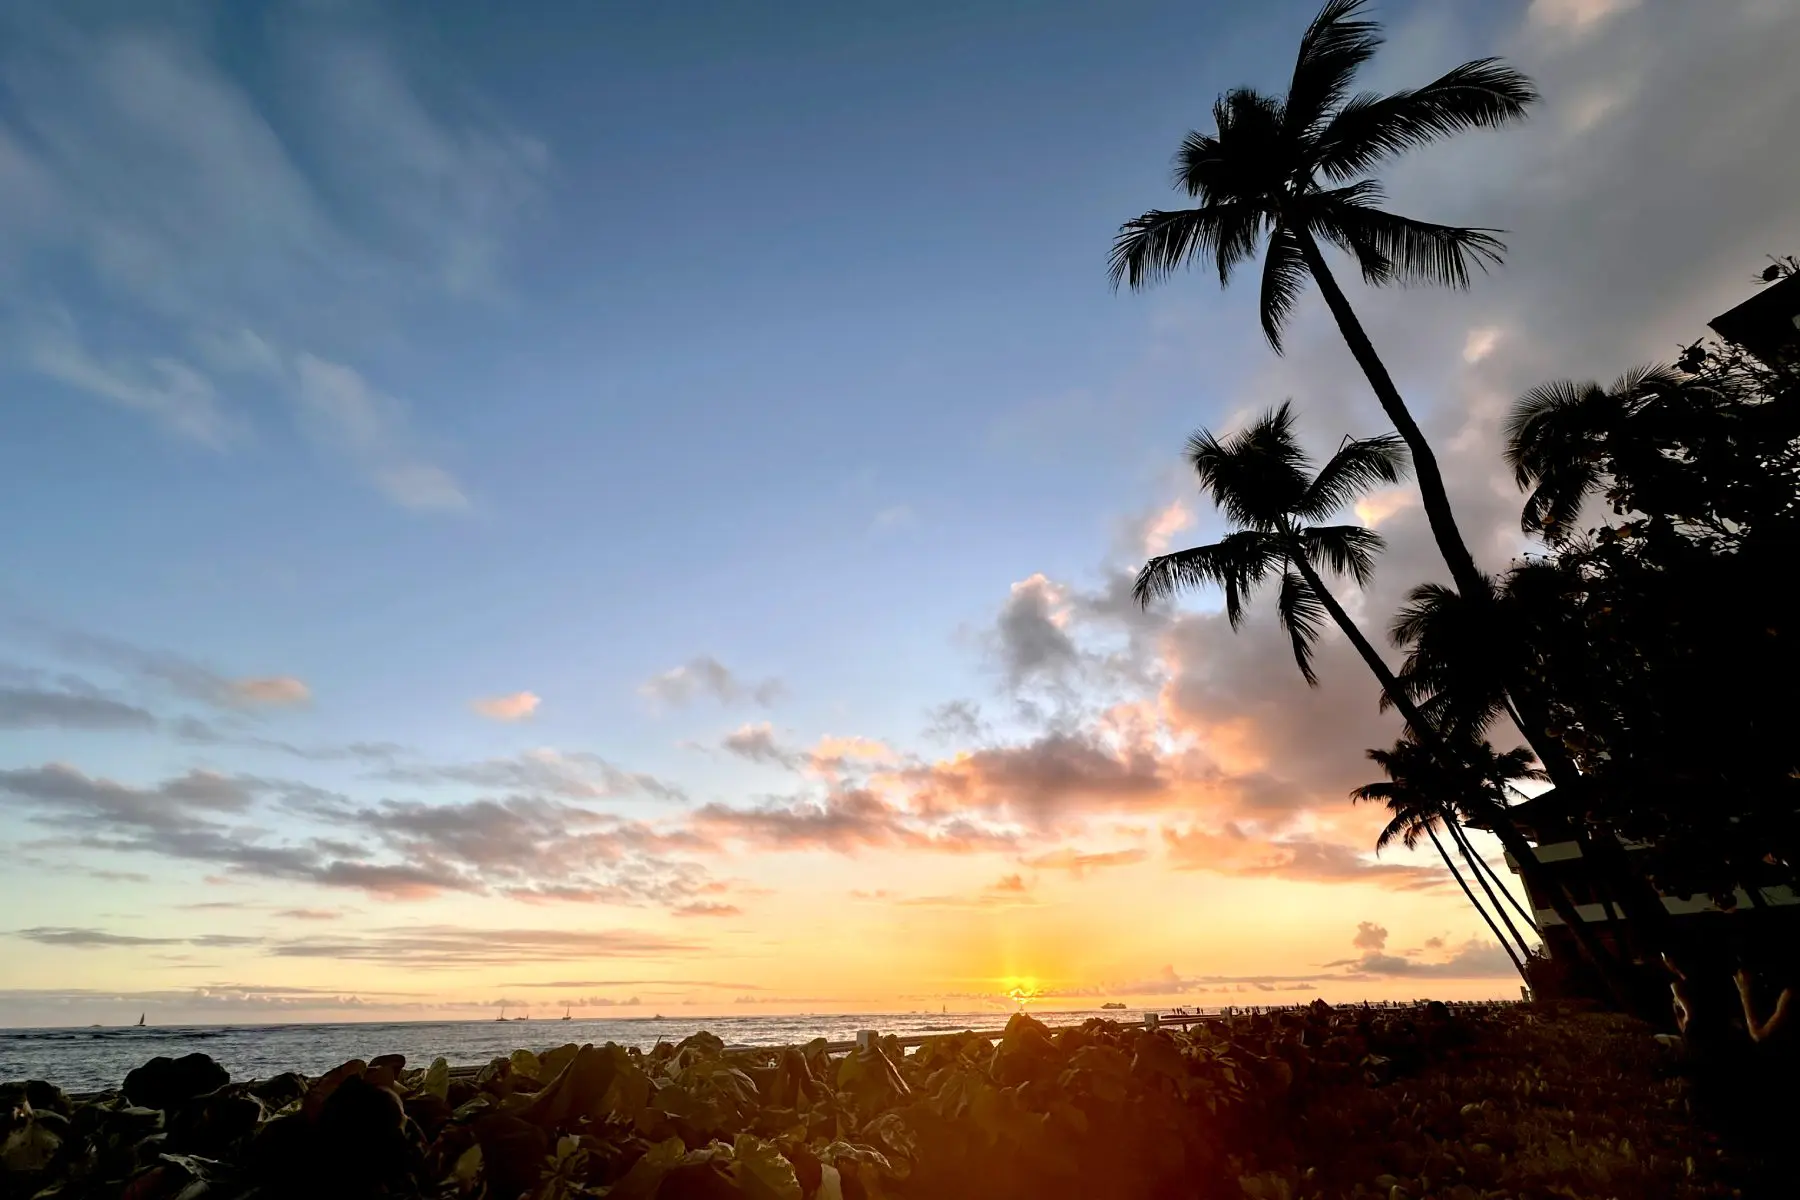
x=1304, y=859
x=1163, y=527
x=275, y=691
x=516, y=707
x=1079, y=863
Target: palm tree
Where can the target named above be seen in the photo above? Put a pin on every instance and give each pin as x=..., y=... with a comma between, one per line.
x=1639, y=440
x=1458, y=672
x=1290, y=172
x=1416, y=812
x=1259, y=478
x=1423, y=788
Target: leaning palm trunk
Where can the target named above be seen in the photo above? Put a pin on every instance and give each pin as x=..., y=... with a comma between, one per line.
x=1474, y=861
x=1639, y=901
x=1504, y=829
x=1431, y=480
x=1500, y=886
x=1432, y=493
x=1457, y=875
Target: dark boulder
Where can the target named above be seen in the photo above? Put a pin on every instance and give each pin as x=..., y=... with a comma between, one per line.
x=364, y=1135
x=513, y=1152
x=165, y=1082
x=211, y=1125
x=41, y=1096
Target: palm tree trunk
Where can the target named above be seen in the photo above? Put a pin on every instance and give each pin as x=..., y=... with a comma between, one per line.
x=1457, y=875
x=1468, y=578
x=1449, y=538
x=1468, y=853
x=1500, y=884
x=1642, y=904
x=1504, y=829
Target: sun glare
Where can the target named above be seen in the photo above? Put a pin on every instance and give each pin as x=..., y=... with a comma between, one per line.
x=1020, y=989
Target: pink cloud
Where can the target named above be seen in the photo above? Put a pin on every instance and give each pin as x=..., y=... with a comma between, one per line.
x=274, y=691
x=515, y=707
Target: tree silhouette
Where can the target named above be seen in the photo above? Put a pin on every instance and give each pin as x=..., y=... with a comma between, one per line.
x=1259, y=478
x=1289, y=172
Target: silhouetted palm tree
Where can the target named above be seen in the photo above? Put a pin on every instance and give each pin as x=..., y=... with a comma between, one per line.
x=1457, y=670
x=1259, y=477
x=1637, y=440
x=1422, y=790
x=1417, y=811
x=1289, y=172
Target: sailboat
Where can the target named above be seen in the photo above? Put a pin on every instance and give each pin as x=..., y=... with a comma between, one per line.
x=502, y=1015
x=140, y=1023
x=566, y=1009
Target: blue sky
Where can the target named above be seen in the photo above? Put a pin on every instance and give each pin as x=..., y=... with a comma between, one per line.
x=406, y=358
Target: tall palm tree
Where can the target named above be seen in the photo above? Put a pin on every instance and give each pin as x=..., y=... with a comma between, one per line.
x=1259, y=478
x=1417, y=812
x=1291, y=171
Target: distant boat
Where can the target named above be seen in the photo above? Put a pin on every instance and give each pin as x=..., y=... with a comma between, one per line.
x=566, y=1009
x=140, y=1023
x=1112, y=1004
x=502, y=1015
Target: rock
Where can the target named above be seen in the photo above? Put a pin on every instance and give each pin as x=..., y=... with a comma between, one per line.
x=283, y=1153
x=364, y=1136
x=512, y=1152
x=210, y=1125
x=279, y=1091
x=29, y=1146
x=41, y=1096
x=165, y=1082
x=327, y=1084
x=431, y=1113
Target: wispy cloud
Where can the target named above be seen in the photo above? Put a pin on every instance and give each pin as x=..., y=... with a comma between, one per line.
x=342, y=412
x=232, y=241
x=705, y=676
x=33, y=708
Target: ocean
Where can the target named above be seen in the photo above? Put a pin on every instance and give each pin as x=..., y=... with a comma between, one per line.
x=87, y=1060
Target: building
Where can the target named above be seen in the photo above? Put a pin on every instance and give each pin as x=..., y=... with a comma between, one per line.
x=1767, y=324
x=1698, y=920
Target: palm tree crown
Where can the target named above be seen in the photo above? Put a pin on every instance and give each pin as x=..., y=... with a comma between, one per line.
x=1420, y=792
x=1291, y=171
x=1260, y=478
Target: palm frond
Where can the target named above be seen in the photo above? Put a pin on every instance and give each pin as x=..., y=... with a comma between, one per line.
x=1151, y=247
x=1344, y=549
x=1331, y=50
x=1370, y=127
x=1359, y=464
x=1403, y=250
x=1284, y=279
x=1545, y=416
x=1302, y=615
x=1256, y=475
x=1426, y=607
x=1235, y=564
x=1551, y=445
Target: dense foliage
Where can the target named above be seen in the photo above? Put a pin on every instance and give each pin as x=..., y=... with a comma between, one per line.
x=1470, y=1103
x=1664, y=637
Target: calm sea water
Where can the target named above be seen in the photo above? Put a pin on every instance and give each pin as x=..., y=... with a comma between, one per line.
x=81, y=1060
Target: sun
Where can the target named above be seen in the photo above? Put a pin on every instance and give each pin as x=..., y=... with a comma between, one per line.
x=1020, y=989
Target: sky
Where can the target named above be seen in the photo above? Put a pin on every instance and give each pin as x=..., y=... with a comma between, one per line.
x=635, y=508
